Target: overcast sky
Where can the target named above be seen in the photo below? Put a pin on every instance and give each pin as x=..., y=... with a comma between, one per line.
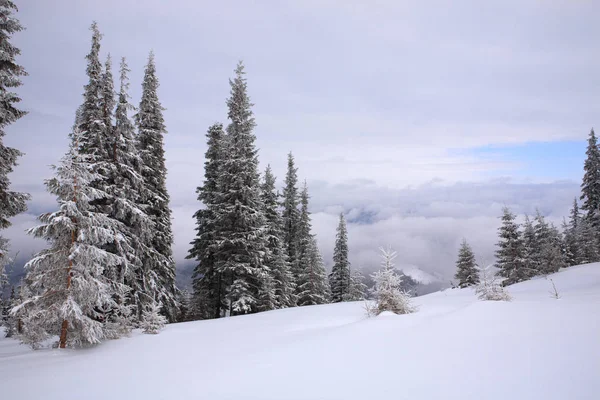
x=419, y=119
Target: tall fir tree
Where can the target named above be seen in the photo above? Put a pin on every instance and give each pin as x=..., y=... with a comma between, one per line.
x=126, y=191
x=8, y=319
x=208, y=300
x=291, y=214
x=571, y=247
x=90, y=117
x=509, y=255
x=358, y=289
x=107, y=105
x=552, y=252
x=590, y=186
x=276, y=258
x=339, y=279
x=531, y=248
x=241, y=243
x=467, y=273
x=70, y=294
x=589, y=245
x=542, y=238
x=312, y=287
x=549, y=247
x=303, y=238
x=11, y=203
x=572, y=236
x=159, y=264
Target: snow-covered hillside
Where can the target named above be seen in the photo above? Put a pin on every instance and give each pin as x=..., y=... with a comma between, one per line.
x=454, y=347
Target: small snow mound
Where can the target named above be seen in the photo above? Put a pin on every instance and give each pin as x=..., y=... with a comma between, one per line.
x=386, y=314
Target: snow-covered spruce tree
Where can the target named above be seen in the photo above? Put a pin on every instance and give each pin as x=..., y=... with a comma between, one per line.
x=339, y=278
x=276, y=258
x=152, y=320
x=240, y=222
x=291, y=214
x=357, y=290
x=572, y=236
x=184, y=298
x=531, y=248
x=509, y=255
x=570, y=246
x=590, y=186
x=303, y=239
x=89, y=118
x=11, y=203
x=158, y=264
x=69, y=292
x=588, y=242
x=489, y=288
x=387, y=291
x=549, y=253
x=542, y=237
x=208, y=300
x=126, y=191
x=107, y=104
x=313, y=286
x=312, y=279
x=553, y=251
x=9, y=321
x=95, y=126
x=581, y=239
x=466, y=267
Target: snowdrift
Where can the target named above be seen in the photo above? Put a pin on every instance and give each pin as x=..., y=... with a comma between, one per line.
x=454, y=347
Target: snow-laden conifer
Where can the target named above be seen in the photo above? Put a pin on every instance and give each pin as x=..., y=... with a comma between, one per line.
x=158, y=264
x=466, y=267
x=291, y=214
x=90, y=117
x=387, y=291
x=588, y=242
x=572, y=238
x=489, y=286
x=357, y=289
x=552, y=252
x=69, y=294
x=107, y=105
x=590, y=186
x=184, y=298
x=11, y=203
x=152, y=320
x=531, y=248
x=509, y=255
x=339, y=278
x=312, y=283
x=276, y=257
x=240, y=222
x=126, y=192
x=580, y=238
x=208, y=300
x=548, y=256
x=8, y=320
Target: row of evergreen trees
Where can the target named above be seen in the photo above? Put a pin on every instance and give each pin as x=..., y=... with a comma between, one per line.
x=538, y=247
x=254, y=248
x=108, y=266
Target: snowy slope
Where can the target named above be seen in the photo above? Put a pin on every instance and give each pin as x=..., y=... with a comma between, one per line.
x=455, y=347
